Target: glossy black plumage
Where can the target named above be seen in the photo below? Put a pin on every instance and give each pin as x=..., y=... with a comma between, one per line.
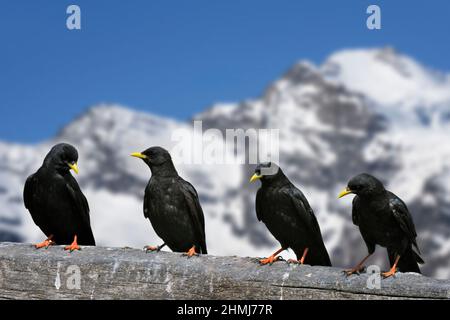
x=384, y=219
x=172, y=205
x=287, y=214
x=55, y=201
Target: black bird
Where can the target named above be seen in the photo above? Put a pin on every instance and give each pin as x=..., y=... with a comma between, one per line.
x=383, y=219
x=56, y=203
x=285, y=211
x=172, y=205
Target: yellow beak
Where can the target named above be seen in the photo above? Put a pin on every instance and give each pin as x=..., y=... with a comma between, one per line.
x=344, y=192
x=139, y=155
x=74, y=167
x=255, y=177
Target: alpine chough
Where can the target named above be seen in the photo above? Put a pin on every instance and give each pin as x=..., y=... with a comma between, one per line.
x=383, y=219
x=172, y=205
x=287, y=214
x=56, y=203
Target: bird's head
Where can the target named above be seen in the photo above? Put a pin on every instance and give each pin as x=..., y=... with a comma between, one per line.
x=63, y=157
x=154, y=156
x=363, y=185
x=266, y=172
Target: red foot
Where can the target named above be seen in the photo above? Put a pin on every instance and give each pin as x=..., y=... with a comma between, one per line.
x=44, y=244
x=268, y=260
x=355, y=270
x=151, y=248
x=73, y=246
x=389, y=273
x=191, y=252
x=301, y=261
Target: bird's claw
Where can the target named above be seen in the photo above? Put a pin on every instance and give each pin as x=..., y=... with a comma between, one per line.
x=151, y=249
x=72, y=247
x=266, y=261
x=356, y=271
x=388, y=274
x=293, y=261
x=191, y=253
x=44, y=244
x=348, y=273
x=269, y=260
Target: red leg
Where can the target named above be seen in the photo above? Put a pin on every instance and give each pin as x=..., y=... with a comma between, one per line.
x=191, y=252
x=302, y=260
x=358, y=268
x=154, y=248
x=46, y=243
x=272, y=258
x=74, y=245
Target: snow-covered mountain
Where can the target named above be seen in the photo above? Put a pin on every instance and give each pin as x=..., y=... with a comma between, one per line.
x=372, y=110
x=400, y=87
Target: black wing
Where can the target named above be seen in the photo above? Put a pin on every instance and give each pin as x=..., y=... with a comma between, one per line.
x=78, y=199
x=356, y=210
x=81, y=206
x=29, y=194
x=195, y=212
x=307, y=216
x=302, y=205
x=147, y=201
x=403, y=217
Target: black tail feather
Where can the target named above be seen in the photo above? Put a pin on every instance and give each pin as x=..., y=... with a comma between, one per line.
x=408, y=262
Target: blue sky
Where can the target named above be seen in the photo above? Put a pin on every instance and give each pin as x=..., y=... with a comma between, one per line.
x=175, y=58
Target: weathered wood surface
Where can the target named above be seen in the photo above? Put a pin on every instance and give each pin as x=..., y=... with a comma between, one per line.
x=124, y=273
